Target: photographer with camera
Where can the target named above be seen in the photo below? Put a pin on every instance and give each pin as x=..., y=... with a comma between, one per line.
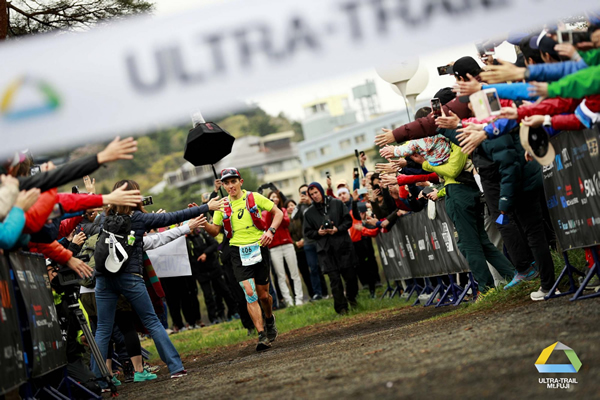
x=327, y=222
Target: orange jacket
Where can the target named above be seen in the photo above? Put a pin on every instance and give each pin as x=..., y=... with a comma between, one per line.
x=357, y=235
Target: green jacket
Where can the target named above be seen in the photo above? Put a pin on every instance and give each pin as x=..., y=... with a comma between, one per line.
x=591, y=57
x=578, y=85
x=451, y=168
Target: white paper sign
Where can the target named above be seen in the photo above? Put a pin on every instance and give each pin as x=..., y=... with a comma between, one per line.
x=171, y=259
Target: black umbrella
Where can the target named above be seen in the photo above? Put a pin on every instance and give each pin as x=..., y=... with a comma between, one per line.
x=207, y=144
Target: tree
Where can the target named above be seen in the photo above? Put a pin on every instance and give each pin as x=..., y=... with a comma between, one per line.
x=25, y=17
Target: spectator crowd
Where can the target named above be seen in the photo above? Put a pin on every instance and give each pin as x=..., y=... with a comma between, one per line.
x=316, y=243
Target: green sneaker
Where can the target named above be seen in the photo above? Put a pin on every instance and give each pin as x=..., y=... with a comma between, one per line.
x=143, y=376
x=115, y=381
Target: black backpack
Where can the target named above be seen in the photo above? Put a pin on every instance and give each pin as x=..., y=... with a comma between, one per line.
x=113, y=242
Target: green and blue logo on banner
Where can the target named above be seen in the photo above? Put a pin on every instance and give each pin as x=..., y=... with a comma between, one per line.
x=544, y=368
x=26, y=97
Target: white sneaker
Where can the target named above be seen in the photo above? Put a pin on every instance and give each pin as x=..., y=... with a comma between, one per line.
x=540, y=294
x=424, y=297
x=404, y=295
x=299, y=302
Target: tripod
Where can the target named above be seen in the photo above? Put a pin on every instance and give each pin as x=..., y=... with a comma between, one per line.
x=71, y=297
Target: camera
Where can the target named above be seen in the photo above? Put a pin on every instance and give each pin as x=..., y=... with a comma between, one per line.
x=436, y=107
x=328, y=224
x=147, y=201
x=34, y=170
x=67, y=278
x=444, y=70
x=75, y=189
x=268, y=185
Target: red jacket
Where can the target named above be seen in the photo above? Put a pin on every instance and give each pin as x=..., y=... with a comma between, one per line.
x=425, y=126
x=356, y=235
x=549, y=107
x=54, y=251
x=37, y=215
x=409, y=179
x=73, y=202
x=282, y=235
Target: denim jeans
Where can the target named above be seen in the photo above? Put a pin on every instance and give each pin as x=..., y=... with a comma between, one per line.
x=133, y=288
x=313, y=264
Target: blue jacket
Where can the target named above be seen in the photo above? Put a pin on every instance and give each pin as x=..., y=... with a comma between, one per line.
x=499, y=127
x=512, y=91
x=11, y=228
x=144, y=222
x=554, y=71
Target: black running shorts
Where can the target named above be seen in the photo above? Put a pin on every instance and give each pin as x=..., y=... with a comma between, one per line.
x=260, y=271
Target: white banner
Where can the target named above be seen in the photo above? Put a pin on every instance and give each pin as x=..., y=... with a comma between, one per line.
x=142, y=73
x=171, y=259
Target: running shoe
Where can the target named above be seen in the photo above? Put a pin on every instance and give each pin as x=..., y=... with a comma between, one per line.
x=541, y=294
x=128, y=371
x=151, y=368
x=115, y=381
x=263, y=342
x=179, y=374
x=143, y=376
x=271, y=330
x=528, y=275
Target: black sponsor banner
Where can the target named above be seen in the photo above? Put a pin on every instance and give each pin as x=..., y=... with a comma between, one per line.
x=420, y=247
x=48, y=352
x=572, y=188
x=12, y=364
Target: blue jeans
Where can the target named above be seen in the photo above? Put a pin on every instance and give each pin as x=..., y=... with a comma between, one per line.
x=313, y=264
x=133, y=288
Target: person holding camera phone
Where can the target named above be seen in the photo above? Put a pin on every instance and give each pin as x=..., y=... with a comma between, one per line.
x=327, y=222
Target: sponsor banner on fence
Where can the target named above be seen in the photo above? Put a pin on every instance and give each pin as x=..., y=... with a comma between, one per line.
x=419, y=247
x=171, y=259
x=48, y=351
x=12, y=363
x=143, y=73
x=572, y=188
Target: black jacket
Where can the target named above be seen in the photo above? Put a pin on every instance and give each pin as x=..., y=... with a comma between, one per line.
x=144, y=222
x=62, y=175
x=341, y=243
x=197, y=245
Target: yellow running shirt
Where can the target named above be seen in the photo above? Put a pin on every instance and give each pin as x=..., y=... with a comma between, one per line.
x=244, y=231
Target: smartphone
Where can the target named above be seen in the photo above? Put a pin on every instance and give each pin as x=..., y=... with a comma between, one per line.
x=362, y=191
x=34, y=170
x=436, y=107
x=362, y=153
x=493, y=101
x=427, y=190
x=565, y=36
x=443, y=70
x=485, y=103
x=327, y=175
x=355, y=172
x=75, y=189
x=147, y=201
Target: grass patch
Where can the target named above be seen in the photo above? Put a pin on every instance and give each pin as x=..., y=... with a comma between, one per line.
x=202, y=340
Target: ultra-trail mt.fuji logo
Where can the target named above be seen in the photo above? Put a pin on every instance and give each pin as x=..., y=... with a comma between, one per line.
x=544, y=368
x=27, y=97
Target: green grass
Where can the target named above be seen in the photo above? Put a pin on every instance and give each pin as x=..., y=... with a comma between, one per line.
x=203, y=340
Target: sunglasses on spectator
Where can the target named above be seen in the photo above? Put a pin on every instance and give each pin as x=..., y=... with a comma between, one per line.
x=303, y=193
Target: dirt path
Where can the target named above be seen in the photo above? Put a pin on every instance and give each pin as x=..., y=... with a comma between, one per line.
x=391, y=355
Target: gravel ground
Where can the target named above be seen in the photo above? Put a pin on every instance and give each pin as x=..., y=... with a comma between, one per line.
x=397, y=354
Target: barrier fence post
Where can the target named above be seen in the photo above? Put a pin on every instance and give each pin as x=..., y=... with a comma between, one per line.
x=568, y=270
x=427, y=289
x=451, y=294
x=594, y=270
x=439, y=288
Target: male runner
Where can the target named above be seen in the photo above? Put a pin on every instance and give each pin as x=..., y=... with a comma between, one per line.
x=249, y=240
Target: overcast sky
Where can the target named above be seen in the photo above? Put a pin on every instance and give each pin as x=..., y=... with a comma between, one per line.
x=290, y=101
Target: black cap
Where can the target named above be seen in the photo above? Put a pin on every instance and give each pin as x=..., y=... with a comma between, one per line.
x=445, y=95
x=547, y=46
x=466, y=65
x=230, y=173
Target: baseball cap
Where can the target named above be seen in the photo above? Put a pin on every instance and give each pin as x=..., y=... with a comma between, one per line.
x=536, y=142
x=341, y=182
x=466, y=65
x=230, y=173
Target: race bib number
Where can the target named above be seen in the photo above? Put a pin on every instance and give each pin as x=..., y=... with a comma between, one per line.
x=250, y=254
